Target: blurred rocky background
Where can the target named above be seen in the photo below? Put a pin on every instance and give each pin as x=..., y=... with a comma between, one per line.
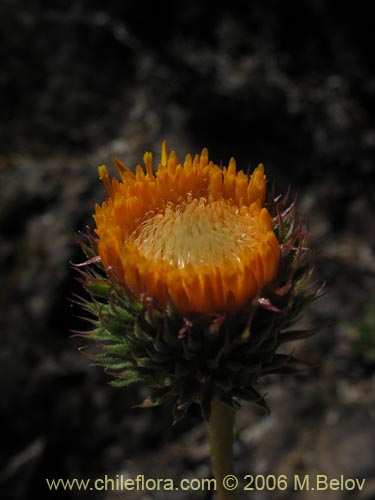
x=286, y=83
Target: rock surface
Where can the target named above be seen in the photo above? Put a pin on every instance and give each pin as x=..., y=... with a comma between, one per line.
x=288, y=84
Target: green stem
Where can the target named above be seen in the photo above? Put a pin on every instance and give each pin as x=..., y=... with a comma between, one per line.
x=221, y=437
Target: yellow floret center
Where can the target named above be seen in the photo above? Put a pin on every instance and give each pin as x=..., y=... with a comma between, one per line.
x=196, y=233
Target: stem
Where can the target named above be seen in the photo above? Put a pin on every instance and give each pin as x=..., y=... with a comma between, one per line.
x=221, y=437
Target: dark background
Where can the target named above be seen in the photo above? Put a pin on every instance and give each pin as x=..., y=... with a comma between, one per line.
x=285, y=83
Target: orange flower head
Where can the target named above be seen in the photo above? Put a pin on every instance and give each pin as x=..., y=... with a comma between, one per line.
x=194, y=235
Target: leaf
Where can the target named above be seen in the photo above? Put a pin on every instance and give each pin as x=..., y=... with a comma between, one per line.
x=149, y=402
x=141, y=334
x=126, y=378
x=119, y=365
x=251, y=395
x=100, y=334
x=296, y=335
x=122, y=349
x=98, y=289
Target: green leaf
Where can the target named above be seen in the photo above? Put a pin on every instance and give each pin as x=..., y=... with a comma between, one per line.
x=100, y=334
x=122, y=349
x=120, y=365
x=98, y=288
x=126, y=378
x=149, y=402
x=141, y=334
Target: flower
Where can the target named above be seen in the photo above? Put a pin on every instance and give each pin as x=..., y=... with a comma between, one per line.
x=195, y=277
x=195, y=235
